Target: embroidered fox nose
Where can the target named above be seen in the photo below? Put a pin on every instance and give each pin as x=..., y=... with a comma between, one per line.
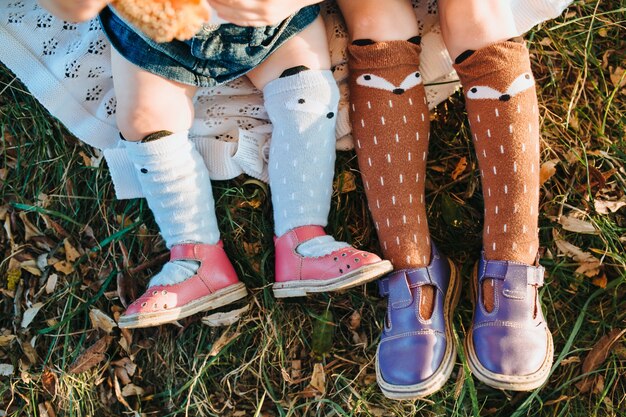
x=398, y=91
x=330, y=114
x=505, y=97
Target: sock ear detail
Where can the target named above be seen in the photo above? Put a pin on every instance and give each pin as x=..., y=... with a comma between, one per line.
x=363, y=42
x=463, y=56
x=415, y=39
x=293, y=71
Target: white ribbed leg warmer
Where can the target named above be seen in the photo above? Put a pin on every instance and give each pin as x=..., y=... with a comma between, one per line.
x=176, y=185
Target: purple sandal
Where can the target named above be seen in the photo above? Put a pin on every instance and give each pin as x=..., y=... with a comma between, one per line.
x=511, y=346
x=416, y=356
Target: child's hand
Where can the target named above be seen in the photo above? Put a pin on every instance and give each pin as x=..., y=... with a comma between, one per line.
x=74, y=10
x=257, y=12
x=165, y=20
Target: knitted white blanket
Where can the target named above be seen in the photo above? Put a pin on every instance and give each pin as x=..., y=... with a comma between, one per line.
x=66, y=67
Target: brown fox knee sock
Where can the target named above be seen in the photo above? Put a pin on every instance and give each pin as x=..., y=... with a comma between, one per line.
x=390, y=125
x=501, y=106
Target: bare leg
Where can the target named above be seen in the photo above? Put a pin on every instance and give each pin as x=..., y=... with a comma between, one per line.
x=301, y=98
x=391, y=128
x=308, y=48
x=147, y=103
x=172, y=174
x=368, y=20
x=385, y=122
x=303, y=135
x=501, y=103
x=473, y=24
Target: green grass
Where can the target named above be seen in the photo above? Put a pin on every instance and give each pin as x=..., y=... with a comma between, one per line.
x=46, y=182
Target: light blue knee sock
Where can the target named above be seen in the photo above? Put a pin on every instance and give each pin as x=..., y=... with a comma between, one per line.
x=303, y=111
x=176, y=185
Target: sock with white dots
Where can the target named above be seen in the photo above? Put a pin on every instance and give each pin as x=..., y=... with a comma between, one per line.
x=303, y=111
x=501, y=103
x=175, y=182
x=391, y=125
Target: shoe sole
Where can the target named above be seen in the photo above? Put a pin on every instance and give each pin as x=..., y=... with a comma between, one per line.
x=500, y=381
x=217, y=299
x=437, y=380
x=300, y=288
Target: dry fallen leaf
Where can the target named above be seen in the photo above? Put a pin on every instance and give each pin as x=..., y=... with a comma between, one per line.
x=49, y=382
x=6, y=339
x=125, y=289
x=618, y=77
x=345, y=182
x=226, y=318
x=6, y=369
x=223, y=340
x=118, y=392
x=91, y=357
x=31, y=266
x=51, y=283
x=459, y=169
x=596, y=356
x=63, y=267
x=589, y=264
x=46, y=410
x=547, y=170
x=86, y=158
x=71, y=254
x=127, y=364
x=574, y=224
x=30, y=314
x=318, y=379
x=571, y=359
x=100, y=320
x=355, y=320
x=30, y=229
x=29, y=352
x=132, y=390
x=558, y=400
x=600, y=281
x=606, y=206
x=122, y=374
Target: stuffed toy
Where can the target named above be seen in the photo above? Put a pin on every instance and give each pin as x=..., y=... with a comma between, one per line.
x=165, y=20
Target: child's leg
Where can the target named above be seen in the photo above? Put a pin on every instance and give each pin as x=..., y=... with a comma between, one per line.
x=301, y=99
x=154, y=115
x=390, y=124
x=502, y=109
x=391, y=128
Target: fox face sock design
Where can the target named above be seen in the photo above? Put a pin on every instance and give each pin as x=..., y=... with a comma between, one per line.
x=501, y=103
x=391, y=128
x=302, y=108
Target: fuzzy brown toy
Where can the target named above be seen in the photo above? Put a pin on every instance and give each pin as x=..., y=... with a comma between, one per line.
x=165, y=20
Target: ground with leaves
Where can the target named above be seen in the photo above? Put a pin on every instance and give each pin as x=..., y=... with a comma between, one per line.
x=72, y=256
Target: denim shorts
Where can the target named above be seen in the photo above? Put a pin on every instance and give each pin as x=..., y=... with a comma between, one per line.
x=215, y=55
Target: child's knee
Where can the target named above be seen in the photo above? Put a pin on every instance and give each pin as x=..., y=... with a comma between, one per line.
x=137, y=121
x=472, y=23
x=396, y=21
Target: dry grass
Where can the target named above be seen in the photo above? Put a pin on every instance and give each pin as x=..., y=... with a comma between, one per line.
x=263, y=365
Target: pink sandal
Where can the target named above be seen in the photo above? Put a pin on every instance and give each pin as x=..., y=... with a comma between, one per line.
x=297, y=275
x=214, y=285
